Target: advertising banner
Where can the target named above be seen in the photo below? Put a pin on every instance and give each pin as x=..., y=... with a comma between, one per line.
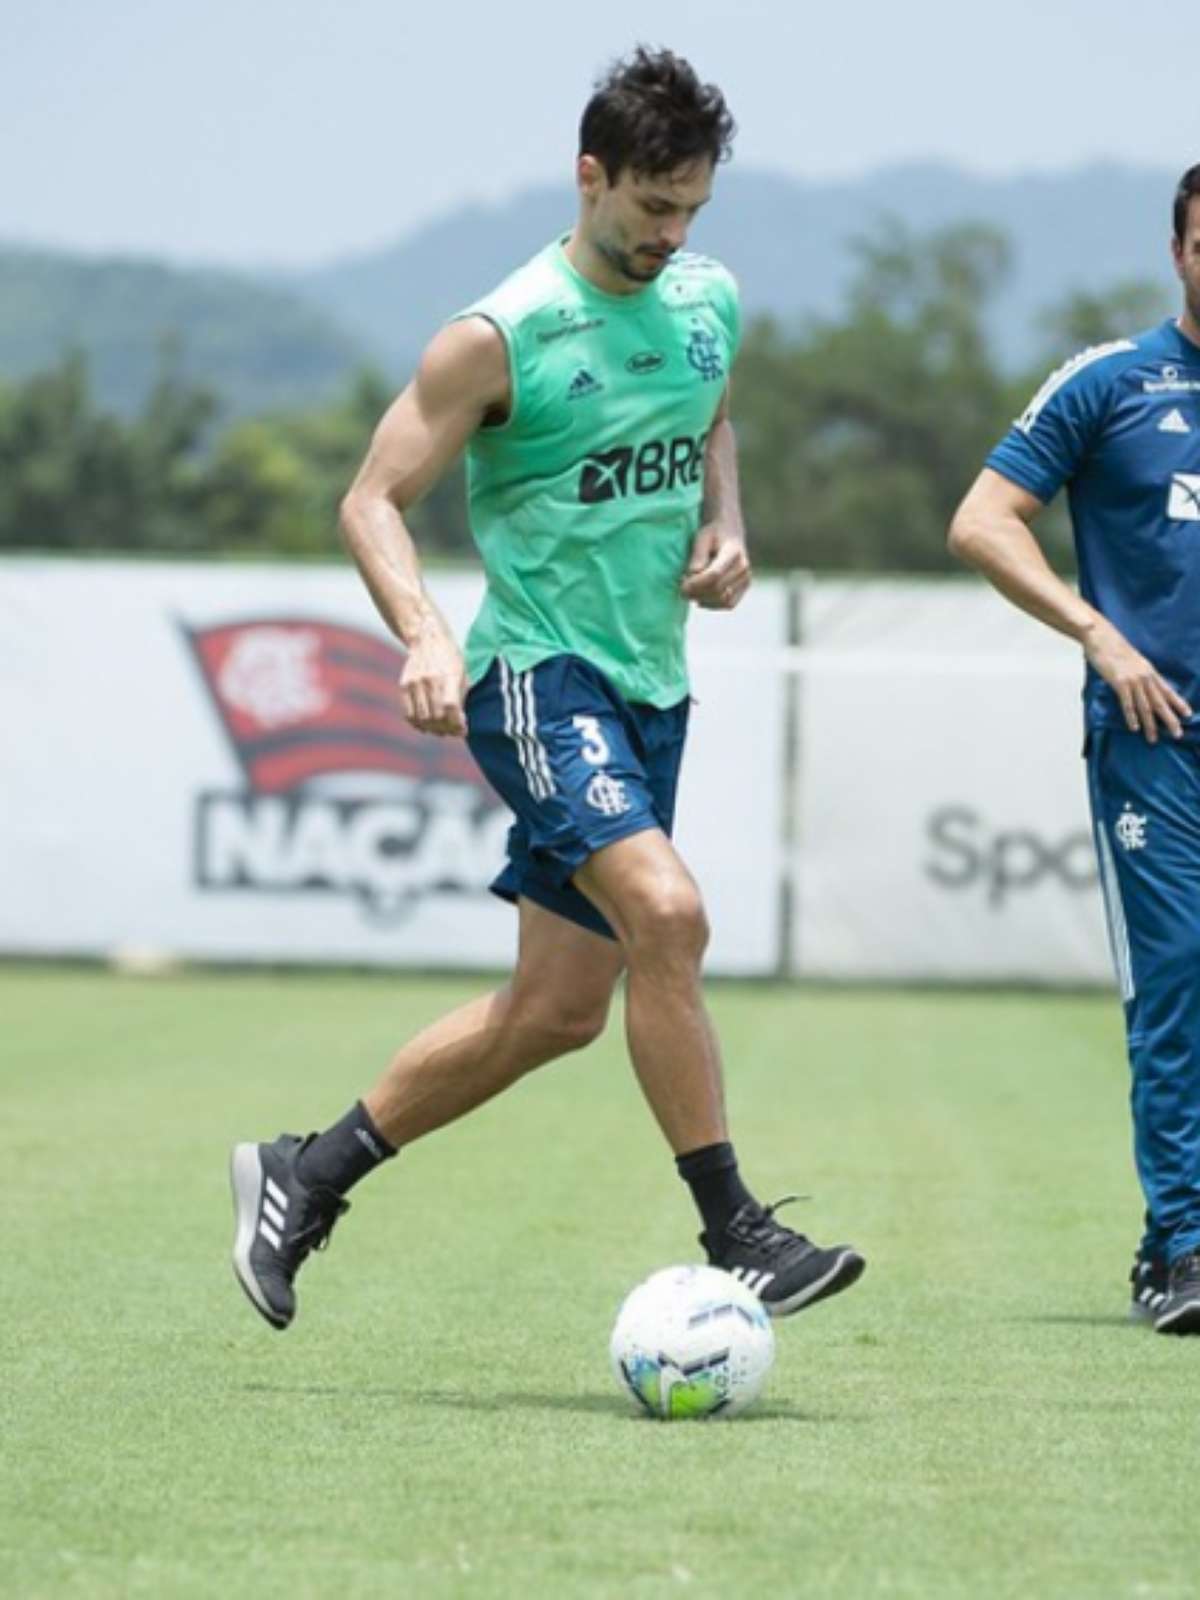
x=208, y=761
x=940, y=822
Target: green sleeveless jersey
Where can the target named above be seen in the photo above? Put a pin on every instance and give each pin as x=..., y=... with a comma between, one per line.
x=585, y=502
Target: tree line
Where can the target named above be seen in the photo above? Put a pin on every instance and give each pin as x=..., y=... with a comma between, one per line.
x=858, y=434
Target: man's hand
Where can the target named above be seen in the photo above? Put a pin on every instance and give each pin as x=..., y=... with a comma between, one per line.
x=1146, y=698
x=718, y=571
x=433, y=686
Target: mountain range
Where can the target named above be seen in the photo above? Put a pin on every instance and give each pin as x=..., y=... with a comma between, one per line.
x=271, y=340
x=790, y=244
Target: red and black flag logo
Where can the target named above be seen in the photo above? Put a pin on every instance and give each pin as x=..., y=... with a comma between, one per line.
x=303, y=700
x=341, y=793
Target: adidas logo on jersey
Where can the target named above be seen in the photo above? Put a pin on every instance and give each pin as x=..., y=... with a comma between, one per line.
x=1174, y=422
x=582, y=385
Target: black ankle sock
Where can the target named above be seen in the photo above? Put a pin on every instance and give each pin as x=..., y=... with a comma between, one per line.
x=717, y=1188
x=339, y=1157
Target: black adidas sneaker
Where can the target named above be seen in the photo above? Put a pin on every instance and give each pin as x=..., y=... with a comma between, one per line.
x=278, y=1222
x=1180, y=1310
x=1147, y=1287
x=786, y=1270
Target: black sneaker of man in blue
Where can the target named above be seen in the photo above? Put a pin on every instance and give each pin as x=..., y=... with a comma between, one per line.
x=1147, y=1287
x=1180, y=1311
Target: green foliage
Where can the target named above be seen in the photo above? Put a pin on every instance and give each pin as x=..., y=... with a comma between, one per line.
x=274, y=482
x=859, y=434
x=73, y=477
x=1085, y=318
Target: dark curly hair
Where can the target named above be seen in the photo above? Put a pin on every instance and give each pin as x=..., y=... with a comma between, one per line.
x=1186, y=190
x=652, y=114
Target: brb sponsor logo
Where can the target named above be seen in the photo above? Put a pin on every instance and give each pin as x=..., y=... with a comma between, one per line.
x=968, y=854
x=658, y=466
x=339, y=795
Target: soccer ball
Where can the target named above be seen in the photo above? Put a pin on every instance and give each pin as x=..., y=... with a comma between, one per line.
x=692, y=1342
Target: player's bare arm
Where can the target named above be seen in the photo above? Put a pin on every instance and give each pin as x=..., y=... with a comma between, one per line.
x=718, y=572
x=461, y=383
x=991, y=531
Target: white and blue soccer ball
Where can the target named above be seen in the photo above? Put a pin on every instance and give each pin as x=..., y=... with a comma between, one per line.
x=692, y=1342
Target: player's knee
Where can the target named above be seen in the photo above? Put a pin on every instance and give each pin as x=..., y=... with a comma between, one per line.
x=561, y=1024
x=670, y=919
x=576, y=1029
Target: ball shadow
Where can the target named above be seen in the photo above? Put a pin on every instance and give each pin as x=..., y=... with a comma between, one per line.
x=591, y=1404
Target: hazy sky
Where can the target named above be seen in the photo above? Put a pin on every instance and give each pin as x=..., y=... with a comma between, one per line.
x=292, y=131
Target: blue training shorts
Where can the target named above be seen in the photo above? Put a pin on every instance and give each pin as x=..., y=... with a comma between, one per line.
x=578, y=765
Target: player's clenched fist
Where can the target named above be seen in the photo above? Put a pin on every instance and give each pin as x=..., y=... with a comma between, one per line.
x=718, y=572
x=433, y=686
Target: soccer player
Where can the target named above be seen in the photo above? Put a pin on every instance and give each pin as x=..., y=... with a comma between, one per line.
x=1120, y=426
x=590, y=392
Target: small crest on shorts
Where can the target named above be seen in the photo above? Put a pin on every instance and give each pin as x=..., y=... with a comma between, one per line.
x=1130, y=829
x=607, y=795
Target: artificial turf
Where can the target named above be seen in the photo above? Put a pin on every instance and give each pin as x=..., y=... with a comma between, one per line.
x=977, y=1417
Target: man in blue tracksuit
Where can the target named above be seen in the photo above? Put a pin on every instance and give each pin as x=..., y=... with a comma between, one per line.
x=1119, y=425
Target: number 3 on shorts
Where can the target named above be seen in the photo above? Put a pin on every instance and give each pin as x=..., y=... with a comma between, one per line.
x=594, y=746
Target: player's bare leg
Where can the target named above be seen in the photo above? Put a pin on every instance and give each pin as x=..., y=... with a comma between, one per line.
x=556, y=1001
x=647, y=894
x=289, y=1194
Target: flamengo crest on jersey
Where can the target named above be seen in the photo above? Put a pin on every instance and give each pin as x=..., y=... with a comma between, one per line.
x=1064, y=374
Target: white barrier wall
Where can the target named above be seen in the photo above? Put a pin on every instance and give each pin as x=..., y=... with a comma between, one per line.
x=209, y=762
x=941, y=826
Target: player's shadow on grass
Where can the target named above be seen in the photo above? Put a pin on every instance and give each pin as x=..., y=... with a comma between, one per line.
x=597, y=1405
x=524, y=1400
x=440, y=1397
x=1066, y=1319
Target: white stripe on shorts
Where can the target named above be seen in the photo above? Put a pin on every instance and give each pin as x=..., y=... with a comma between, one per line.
x=520, y=723
x=540, y=759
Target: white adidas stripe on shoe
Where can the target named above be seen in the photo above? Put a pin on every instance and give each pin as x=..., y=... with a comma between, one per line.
x=280, y=1221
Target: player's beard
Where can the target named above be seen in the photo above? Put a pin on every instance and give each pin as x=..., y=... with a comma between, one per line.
x=633, y=264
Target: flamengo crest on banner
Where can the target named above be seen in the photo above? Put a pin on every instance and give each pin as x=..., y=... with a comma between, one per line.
x=341, y=796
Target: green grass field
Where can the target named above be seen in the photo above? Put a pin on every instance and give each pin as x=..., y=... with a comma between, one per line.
x=976, y=1418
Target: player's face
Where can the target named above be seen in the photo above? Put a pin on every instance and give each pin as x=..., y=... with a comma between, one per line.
x=1187, y=263
x=637, y=223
